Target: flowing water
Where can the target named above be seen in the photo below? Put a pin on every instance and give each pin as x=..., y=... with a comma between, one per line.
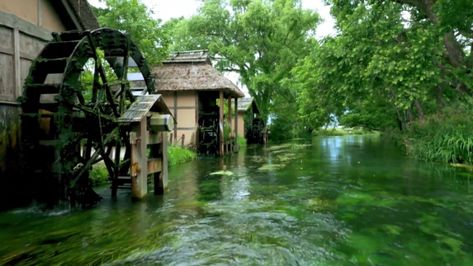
x=331, y=201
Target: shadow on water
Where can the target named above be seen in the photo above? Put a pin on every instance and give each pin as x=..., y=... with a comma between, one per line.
x=332, y=200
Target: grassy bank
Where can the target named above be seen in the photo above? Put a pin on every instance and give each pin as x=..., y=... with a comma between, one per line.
x=241, y=141
x=445, y=137
x=178, y=155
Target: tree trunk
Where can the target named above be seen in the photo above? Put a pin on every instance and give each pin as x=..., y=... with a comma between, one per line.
x=420, y=111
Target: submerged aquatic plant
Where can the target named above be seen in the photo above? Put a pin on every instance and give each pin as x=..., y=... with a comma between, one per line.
x=222, y=172
x=271, y=167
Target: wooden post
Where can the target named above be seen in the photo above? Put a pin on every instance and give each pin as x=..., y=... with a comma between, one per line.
x=164, y=173
x=161, y=178
x=236, y=124
x=175, y=117
x=139, y=160
x=229, y=119
x=17, y=63
x=220, y=122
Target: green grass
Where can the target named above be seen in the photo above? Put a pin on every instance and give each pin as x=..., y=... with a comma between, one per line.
x=99, y=175
x=178, y=155
x=241, y=141
x=444, y=137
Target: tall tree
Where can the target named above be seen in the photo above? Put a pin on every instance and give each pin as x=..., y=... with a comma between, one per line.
x=134, y=18
x=261, y=40
x=405, y=57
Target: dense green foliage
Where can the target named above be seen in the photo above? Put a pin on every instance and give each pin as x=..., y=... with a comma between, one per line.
x=99, y=175
x=404, y=64
x=443, y=137
x=134, y=18
x=241, y=141
x=261, y=40
x=178, y=155
x=392, y=63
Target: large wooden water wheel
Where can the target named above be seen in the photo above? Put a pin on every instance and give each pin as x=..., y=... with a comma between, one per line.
x=76, y=90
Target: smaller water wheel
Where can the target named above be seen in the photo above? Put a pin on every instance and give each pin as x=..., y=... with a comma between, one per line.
x=208, y=133
x=76, y=90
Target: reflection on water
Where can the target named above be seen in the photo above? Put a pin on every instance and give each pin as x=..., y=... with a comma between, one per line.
x=335, y=200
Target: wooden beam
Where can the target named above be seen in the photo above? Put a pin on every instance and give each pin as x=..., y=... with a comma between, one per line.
x=229, y=123
x=39, y=13
x=16, y=62
x=220, y=122
x=236, y=118
x=164, y=173
x=155, y=139
x=155, y=165
x=161, y=177
x=229, y=111
x=195, y=140
x=139, y=161
x=12, y=21
x=175, y=117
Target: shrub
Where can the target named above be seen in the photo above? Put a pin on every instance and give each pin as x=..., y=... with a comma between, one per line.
x=178, y=155
x=241, y=141
x=445, y=137
x=99, y=175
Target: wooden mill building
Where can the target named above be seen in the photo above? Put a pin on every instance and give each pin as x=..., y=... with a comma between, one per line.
x=196, y=93
x=246, y=110
x=25, y=28
x=250, y=124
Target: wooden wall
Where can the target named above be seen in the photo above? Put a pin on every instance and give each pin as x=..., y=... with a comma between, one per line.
x=241, y=124
x=184, y=107
x=25, y=27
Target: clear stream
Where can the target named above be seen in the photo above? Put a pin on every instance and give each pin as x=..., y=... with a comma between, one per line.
x=331, y=201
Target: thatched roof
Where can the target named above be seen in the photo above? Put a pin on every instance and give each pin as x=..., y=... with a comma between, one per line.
x=245, y=104
x=192, y=71
x=196, y=56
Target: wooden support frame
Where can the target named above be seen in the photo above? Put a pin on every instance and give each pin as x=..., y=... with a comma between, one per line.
x=139, y=160
x=157, y=165
x=236, y=124
x=220, y=126
x=175, y=117
x=229, y=144
x=148, y=144
x=142, y=166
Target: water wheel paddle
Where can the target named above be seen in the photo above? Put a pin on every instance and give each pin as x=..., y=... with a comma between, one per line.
x=76, y=90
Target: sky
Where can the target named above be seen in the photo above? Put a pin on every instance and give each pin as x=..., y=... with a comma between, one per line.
x=167, y=9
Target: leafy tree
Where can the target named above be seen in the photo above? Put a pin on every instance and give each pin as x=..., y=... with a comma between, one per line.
x=397, y=56
x=134, y=18
x=261, y=40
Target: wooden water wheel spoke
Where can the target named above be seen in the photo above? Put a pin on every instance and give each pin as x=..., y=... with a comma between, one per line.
x=87, y=165
x=95, y=86
x=75, y=121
